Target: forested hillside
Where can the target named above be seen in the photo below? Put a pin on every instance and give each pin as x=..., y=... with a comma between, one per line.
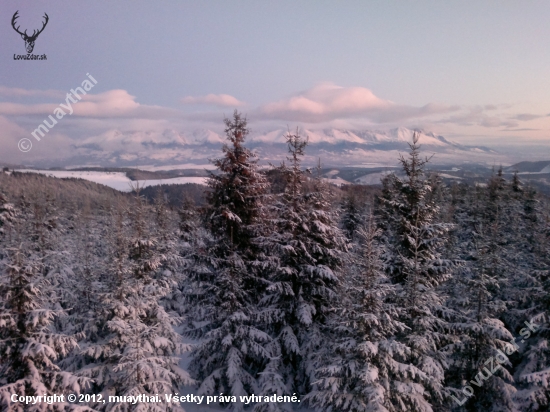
x=414, y=297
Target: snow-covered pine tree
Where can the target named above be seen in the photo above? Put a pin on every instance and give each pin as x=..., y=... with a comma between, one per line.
x=76, y=279
x=7, y=217
x=144, y=254
x=162, y=217
x=495, y=291
x=518, y=239
x=225, y=278
x=131, y=348
x=351, y=214
x=166, y=232
x=188, y=219
x=415, y=241
x=88, y=268
x=153, y=248
x=533, y=370
x=238, y=190
x=303, y=285
x=368, y=369
x=184, y=238
x=29, y=346
x=44, y=217
x=43, y=234
x=532, y=303
x=481, y=334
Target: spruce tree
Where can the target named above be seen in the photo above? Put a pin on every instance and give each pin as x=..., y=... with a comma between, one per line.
x=7, y=217
x=481, y=333
x=43, y=228
x=238, y=190
x=490, y=297
x=188, y=219
x=351, y=216
x=226, y=279
x=368, y=370
x=303, y=284
x=131, y=347
x=415, y=240
x=532, y=294
x=29, y=345
x=145, y=256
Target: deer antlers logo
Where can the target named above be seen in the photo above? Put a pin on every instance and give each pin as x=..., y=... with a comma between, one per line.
x=29, y=40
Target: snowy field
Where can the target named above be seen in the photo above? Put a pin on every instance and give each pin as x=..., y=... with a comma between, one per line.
x=371, y=178
x=338, y=181
x=208, y=166
x=116, y=180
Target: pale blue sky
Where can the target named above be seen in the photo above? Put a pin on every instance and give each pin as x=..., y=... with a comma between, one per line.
x=482, y=67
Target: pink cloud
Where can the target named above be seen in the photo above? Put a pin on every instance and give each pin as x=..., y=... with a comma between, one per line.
x=223, y=100
x=109, y=104
x=326, y=102
x=326, y=99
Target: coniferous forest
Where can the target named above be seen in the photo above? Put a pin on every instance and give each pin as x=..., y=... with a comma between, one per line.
x=415, y=296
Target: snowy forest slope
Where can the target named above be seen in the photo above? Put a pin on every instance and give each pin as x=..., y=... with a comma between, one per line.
x=420, y=296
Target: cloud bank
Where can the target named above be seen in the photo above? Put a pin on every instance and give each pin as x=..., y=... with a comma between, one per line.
x=116, y=118
x=327, y=101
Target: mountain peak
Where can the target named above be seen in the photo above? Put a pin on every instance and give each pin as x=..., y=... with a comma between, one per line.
x=337, y=146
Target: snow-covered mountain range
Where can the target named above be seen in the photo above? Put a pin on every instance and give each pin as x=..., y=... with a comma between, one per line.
x=335, y=147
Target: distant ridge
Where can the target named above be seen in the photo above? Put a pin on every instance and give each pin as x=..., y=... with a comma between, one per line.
x=530, y=167
x=335, y=147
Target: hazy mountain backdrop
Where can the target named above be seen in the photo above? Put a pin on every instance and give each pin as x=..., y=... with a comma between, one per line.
x=334, y=147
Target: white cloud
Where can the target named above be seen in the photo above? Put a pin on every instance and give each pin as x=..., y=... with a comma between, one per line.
x=222, y=100
x=327, y=102
x=106, y=104
x=114, y=120
x=109, y=104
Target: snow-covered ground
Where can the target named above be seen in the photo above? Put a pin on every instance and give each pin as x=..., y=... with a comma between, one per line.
x=116, y=180
x=371, y=178
x=338, y=181
x=207, y=166
x=449, y=176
